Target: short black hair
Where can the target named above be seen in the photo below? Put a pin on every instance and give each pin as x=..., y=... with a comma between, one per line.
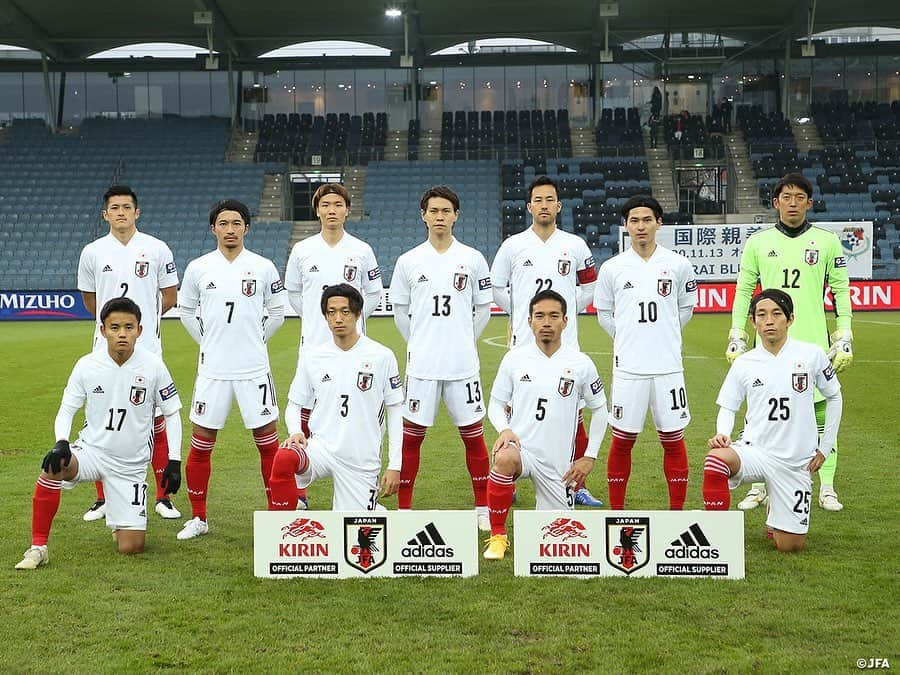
x=229, y=205
x=343, y=291
x=777, y=296
x=125, y=305
x=119, y=191
x=638, y=201
x=547, y=295
x=795, y=179
x=542, y=180
x=439, y=192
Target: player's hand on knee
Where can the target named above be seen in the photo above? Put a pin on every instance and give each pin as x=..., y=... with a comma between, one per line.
x=170, y=481
x=841, y=352
x=390, y=483
x=507, y=437
x=816, y=462
x=296, y=441
x=719, y=441
x=58, y=458
x=578, y=471
x=737, y=344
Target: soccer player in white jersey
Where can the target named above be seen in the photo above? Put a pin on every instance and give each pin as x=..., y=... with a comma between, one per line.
x=350, y=384
x=645, y=296
x=441, y=293
x=231, y=302
x=779, y=443
x=331, y=257
x=120, y=388
x=534, y=407
x=542, y=258
x=127, y=263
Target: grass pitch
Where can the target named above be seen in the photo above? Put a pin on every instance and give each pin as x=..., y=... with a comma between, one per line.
x=195, y=605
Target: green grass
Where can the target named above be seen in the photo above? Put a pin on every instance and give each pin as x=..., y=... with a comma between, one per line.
x=195, y=606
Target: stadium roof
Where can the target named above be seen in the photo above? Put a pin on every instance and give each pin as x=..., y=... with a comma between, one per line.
x=71, y=31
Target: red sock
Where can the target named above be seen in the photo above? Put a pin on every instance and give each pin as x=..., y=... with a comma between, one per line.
x=581, y=442
x=44, y=506
x=304, y=427
x=160, y=456
x=100, y=495
x=267, y=444
x=197, y=473
x=675, y=466
x=286, y=464
x=477, y=461
x=500, y=490
x=618, y=467
x=413, y=436
x=716, y=495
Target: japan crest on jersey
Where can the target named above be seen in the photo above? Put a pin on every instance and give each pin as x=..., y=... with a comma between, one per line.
x=364, y=378
x=811, y=256
x=664, y=287
x=800, y=382
x=138, y=395
x=350, y=270
x=413, y=405
x=248, y=287
x=460, y=280
x=141, y=268
x=566, y=384
x=563, y=266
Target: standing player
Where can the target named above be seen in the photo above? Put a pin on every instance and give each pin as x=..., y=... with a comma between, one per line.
x=644, y=298
x=331, y=257
x=801, y=260
x=779, y=443
x=349, y=384
x=544, y=258
x=241, y=305
x=441, y=292
x=541, y=384
x=127, y=263
x=120, y=387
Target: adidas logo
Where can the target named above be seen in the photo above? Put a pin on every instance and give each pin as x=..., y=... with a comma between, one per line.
x=805, y=521
x=210, y=286
x=692, y=543
x=314, y=268
x=527, y=263
x=525, y=378
x=266, y=411
x=428, y=543
x=773, y=254
x=757, y=383
x=684, y=414
x=326, y=378
x=423, y=278
x=143, y=513
x=107, y=268
x=98, y=389
x=627, y=286
x=478, y=408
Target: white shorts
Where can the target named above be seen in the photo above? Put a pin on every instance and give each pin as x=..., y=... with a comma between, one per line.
x=789, y=486
x=212, y=400
x=665, y=395
x=124, y=485
x=354, y=490
x=550, y=494
x=462, y=397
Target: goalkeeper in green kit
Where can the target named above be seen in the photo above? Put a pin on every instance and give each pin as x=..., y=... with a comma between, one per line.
x=800, y=259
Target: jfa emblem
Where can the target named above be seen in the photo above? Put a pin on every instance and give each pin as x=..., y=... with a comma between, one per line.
x=138, y=395
x=365, y=543
x=460, y=281
x=564, y=267
x=566, y=384
x=811, y=255
x=141, y=268
x=413, y=404
x=617, y=412
x=364, y=381
x=248, y=287
x=628, y=543
x=800, y=382
x=350, y=272
x=664, y=287
x=199, y=407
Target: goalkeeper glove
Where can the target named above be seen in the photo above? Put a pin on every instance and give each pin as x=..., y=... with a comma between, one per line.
x=841, y=352
x=170, y=480
x=57, y=458
x=737, y=344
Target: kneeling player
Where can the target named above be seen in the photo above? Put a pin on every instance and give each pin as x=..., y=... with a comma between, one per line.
x=778, y=444
x=119, y=388
x=542, y=383
x=348, y=384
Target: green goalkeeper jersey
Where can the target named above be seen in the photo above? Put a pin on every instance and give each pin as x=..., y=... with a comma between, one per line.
x=802, y=263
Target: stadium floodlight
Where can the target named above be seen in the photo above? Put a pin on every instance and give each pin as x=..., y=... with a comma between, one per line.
x=393, y=12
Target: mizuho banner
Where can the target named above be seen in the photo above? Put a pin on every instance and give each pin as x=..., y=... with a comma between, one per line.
x=629, y=544
x=354, y=545
x=715, y=250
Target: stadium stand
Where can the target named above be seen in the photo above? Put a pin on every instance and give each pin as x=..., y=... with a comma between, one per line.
x=338, y=139
x=506, y=135
x=685, y=132
x=51, y=185
x=619, y=133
